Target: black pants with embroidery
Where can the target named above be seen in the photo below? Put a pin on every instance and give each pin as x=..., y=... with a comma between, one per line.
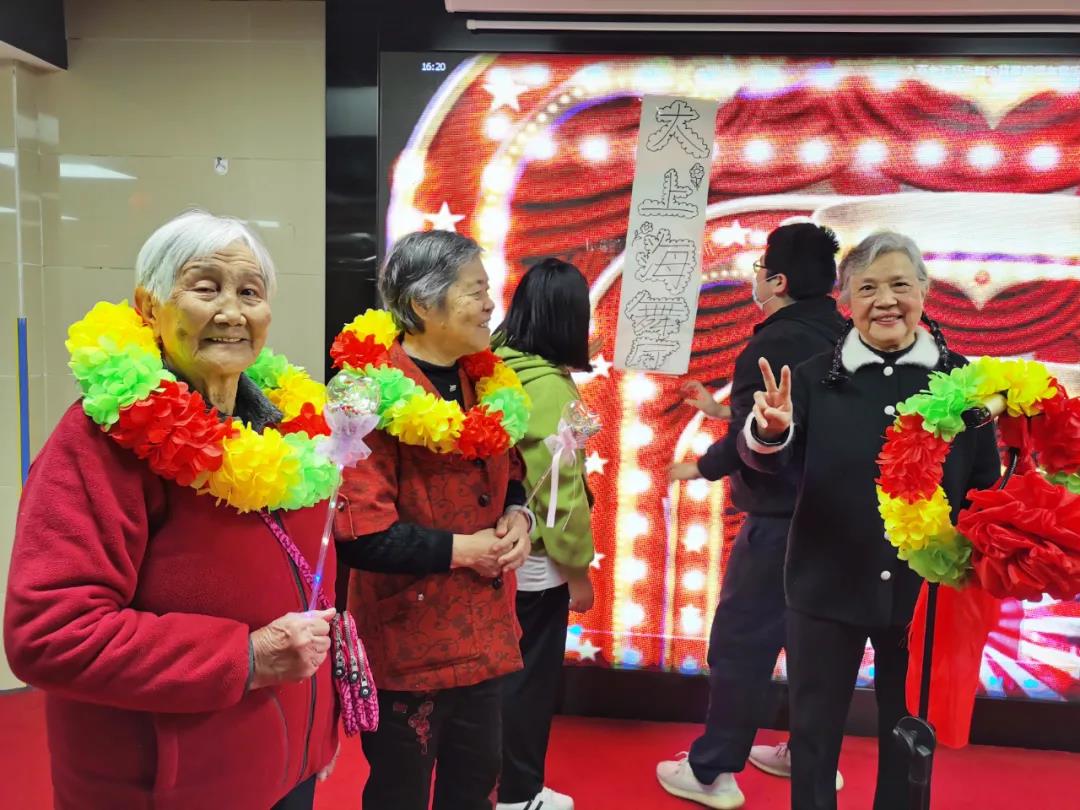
x=531, y=695
x=457, y=733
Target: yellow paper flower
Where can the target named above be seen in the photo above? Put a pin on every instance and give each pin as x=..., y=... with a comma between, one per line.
x=294, y=389
x=378, y=323
x=426, y=420
x=257, y=470
x=502, y=377
x=992, y=376
x=910, y=525
x=115, y=327
x=1029, y=384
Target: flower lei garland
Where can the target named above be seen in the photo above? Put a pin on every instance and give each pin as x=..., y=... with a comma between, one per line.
x=416, y=417
x=130, y=394
x=1039, y=419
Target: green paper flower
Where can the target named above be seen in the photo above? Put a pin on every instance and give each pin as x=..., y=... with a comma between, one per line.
x=943, y=404
x=111, y=381
x=1071, y=481
x=947, y=561
x=394, y=386
x=318, y=475
x=515, y=413
x=266, y=369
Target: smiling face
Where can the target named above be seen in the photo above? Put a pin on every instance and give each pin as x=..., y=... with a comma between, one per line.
x=887, y=302
x=463, y=324
x=215, y=320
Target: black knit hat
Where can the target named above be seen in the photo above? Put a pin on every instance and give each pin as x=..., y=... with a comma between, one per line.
x=806, y=254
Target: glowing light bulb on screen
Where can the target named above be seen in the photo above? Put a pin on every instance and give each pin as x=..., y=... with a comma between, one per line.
x=696, y=537
x=702, y=442
x=694, y=580
x=541, y=147
x=827, y=77
x=815, y=151
x=1066, y=80
x=652, y=78
x=1044, y=157
x=767, y=79
x=640, y=388
x=716, y=81
x=632, y=614
x=638, y=434
x=758, y=151
x=497, y=127
x=595, y=148
x=930, y=153
x=871, y=153
x=984, y=156
x=633, y=524
x=409, y=170
x=498, y=176
x=698, y=489
x=632, y=569
x=691, y=620
x=637, y=481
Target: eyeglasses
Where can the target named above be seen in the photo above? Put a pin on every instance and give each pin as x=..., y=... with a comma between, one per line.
x=760, y=265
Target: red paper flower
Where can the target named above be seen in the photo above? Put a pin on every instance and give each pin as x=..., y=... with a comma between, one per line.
x=175, y=432
x=350, y=350
x=479, y=365
x=482, y=434
x=309, y=421
x=1025, y=539
x=911, y=460
x=1055, y=435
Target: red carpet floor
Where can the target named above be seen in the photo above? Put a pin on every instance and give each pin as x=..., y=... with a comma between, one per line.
x=609, y=765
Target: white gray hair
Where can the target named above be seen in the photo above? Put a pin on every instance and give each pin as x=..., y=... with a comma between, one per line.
x=873, y=247
x=191, y=235
x=421, y=269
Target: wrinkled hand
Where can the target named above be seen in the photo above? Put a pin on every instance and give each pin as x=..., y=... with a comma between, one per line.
x=684, y=471
x=772, y=407
x=581, y=592
x=698, y=396
x=291, y=648
x=324, y=774
x=513, y=528
x=480, y=552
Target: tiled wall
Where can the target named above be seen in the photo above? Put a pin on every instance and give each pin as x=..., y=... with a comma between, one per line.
x=127, y=138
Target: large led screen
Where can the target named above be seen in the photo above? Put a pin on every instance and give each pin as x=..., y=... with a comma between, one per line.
x=978, y=160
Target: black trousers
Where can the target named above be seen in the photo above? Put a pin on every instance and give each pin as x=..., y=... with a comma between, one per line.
x=823, y=663
x=531, y=695
x=455, y=732
x=747, y=635
x=301, y=797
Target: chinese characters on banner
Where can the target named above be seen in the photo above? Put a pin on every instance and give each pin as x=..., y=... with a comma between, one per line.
x=661, y=276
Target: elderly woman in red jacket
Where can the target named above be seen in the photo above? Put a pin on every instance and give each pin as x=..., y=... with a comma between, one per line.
x=435, y=521
x=166, y=627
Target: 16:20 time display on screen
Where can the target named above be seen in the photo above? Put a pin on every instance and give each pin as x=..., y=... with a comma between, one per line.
x=433, y=67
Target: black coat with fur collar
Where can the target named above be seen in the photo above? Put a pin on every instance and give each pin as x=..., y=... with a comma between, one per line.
x=839, y=564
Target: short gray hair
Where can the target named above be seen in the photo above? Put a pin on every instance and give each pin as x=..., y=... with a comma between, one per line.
x=192, y=235
x=421, y=269
x=873, y=247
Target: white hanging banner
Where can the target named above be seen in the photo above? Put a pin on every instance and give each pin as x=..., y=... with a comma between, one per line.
x=661, y=277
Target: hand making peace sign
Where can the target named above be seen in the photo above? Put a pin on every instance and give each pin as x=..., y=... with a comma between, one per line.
x=772, y=407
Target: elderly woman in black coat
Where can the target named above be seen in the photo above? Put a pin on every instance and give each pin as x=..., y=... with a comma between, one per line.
x=843, y=581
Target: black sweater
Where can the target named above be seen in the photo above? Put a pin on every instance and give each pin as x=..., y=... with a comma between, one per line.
x=839, y=564
x=789, y=337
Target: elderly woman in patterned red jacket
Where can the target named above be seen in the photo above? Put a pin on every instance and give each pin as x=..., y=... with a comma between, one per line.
x=435, y=530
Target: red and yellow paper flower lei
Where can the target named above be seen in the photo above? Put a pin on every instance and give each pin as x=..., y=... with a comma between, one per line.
x=130, y=394
x=1038, y=419
x=416, y=417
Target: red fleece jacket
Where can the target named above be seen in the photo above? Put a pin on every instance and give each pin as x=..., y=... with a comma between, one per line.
x=129, y=602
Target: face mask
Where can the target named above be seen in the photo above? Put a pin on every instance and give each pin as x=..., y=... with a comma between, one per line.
x=754, y=294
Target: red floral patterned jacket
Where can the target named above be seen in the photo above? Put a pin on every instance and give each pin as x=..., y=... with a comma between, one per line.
x=440, y=630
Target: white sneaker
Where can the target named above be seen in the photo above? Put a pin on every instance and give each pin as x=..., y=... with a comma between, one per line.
x=776, y=759
x=676, y=777
x=546, y=799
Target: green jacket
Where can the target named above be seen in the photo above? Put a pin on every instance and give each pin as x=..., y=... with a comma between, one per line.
x=550, y=388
